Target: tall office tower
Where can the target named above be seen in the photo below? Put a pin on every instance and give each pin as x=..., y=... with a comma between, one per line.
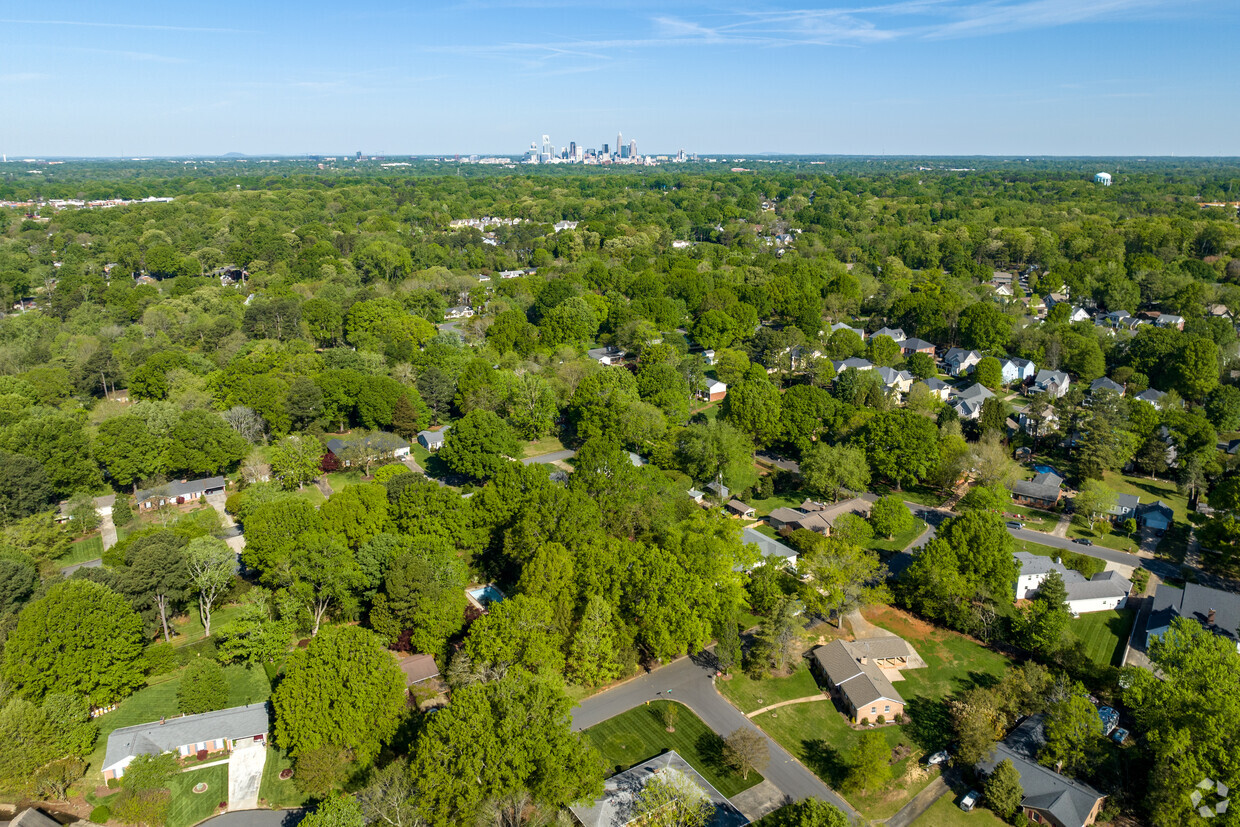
x=359, y=155
x=605, y=150
x=572, y=149
x=548, y=151
x=619, y=143
x=633, y=148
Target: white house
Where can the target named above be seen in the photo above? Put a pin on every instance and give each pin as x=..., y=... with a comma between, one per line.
x=709, y=356
x=713, y=390
x=842, y=326
x=459, y=312
x=379, y=445
x=1078, y=314
x=433, y=440
x=895, y=380
x=1107, y=590
x=223, y=729
x=606, y=355
x=894, y=333
x=1017, y=370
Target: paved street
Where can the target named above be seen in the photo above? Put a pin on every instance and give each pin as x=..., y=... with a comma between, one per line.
x=688, y=681
x=258, y=818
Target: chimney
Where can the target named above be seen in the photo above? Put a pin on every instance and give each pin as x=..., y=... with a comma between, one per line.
x=1210, y=618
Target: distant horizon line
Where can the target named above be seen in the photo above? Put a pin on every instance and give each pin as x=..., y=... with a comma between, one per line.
x=516, y=156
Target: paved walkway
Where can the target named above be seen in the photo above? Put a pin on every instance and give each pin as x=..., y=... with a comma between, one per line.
x=245, y=774
x=921, y=802
x=809, y=700
x=690, y=681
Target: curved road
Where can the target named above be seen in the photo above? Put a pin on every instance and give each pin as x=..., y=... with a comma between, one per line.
x=689, y=681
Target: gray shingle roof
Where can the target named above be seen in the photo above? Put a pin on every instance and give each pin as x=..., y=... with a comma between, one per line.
x=916, y=344
x=1068, y=802
x=180, y=489
x=861, y=683
x=1104, y=384
x=155, y=738
x=1044, y=486
x=1196, y=601
x=379, y=441
x=767, y=546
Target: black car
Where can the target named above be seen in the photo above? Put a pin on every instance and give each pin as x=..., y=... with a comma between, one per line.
x=1082, y=541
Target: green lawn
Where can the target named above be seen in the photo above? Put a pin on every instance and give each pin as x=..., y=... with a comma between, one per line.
x=946, y=812
x=1104, y=535
x=788, y=499
x=821, y=738
x=747, y=694
x=190, y=625
x=900, y=541
x=1104, y=634
x=1150, y=490
x=1033, y=518
x=546, y=445
x=312, y=495
x=639, y=735
x=160, y=699
x=339, y=479
x=188, y=807
x=271, y=790
x=90, y=548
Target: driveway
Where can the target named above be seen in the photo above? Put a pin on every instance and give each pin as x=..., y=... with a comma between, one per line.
x=245, y=773
x=258, y=818
x=547, y=459
x=107, y=530
x=690, y=682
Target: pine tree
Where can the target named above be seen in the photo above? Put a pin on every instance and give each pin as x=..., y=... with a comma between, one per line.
x=407, y=418
x=592, y=657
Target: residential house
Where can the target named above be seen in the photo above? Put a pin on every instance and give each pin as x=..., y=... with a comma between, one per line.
x=1119, y=320
x=376, y=446
x=1052, y=299
x=1052, y=382
x=968, y=403
x=938, y=388
x=818, y=517
x=958, y=361
x=1104, y=384
x=1004, y=291
x=618, y=805
x=223, y=729
x=696, y=495
x=1169, y=320
x=799, y=357
x=719, y=491
x=898, y=381
x=893, y=333
x=1156, y=516
x=1154, y=397
x=841, y=326
x=1103, y=592
x=910, y=346
x=461, y=311
x=1219, y=311
x=853, y=674
x=433, y=440
x=31, y=817
x=609, y=355
x=740, y=509
x=1043, y=491
x=1078, y=314
x=1216, y=610
x=1035, y=428
x=1047, y=797
x=1002, y=278
x=855, y=362
x=713, y=390
x=1017, y=370
x=418, y=668
x=1125, y=507
x=179, y=492
x=770, y=549
x=709, y=356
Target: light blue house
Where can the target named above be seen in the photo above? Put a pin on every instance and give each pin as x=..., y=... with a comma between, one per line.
x=1017, y=370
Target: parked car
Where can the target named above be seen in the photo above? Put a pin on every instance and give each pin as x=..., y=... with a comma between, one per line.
x=1014, y=524
x=1084, y=541
x=967, y=803
x=1120, y=735
x=940, y=757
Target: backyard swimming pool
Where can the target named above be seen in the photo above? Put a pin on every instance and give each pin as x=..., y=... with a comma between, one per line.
x=486, y=594
x=1046, y=469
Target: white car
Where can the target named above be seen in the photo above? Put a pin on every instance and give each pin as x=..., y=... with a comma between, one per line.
x=969, y=800
x=939, y=757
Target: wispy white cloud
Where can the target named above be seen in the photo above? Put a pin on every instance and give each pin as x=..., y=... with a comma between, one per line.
x=146, y=26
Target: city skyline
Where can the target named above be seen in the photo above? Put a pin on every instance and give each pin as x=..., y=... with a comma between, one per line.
x=916, y=77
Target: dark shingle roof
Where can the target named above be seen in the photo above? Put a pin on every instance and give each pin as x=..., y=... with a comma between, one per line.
x=155, y=738
x=180, y=489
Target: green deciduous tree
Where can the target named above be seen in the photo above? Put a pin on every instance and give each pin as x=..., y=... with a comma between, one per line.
x=900, y=445
x=295, y=461
x=423, y=597
x=1073, y=733
x=989, y=372
x=1003, y=790
x=753, y=408
x=82, y=638
x=210, y=564
x=1093, y=503
x=479, y=444
x=829, y=470
x=344, y=691
x=592, y=656
x=890, y=516
x=868, y=767
x=336, y=811
x=498, y=738
x=203, y=687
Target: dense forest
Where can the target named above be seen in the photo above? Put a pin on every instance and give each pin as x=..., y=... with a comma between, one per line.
x=271, y=307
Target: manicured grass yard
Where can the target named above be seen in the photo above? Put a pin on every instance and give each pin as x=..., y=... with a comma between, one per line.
x=788, y=499
x=1104, y=634
x=188, y=807
x=1033, y=518
x=546, y=445
x=946, y=812
x=273, y=791
x=1104, y=535
x=1086, y=565
x=900, y=541
x=638, y=735
x=189, y=625
x=90, y=548
x=747, y=694
x=153, y=702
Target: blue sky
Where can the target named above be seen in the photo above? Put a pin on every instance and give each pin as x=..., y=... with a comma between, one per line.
x=994, y=77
